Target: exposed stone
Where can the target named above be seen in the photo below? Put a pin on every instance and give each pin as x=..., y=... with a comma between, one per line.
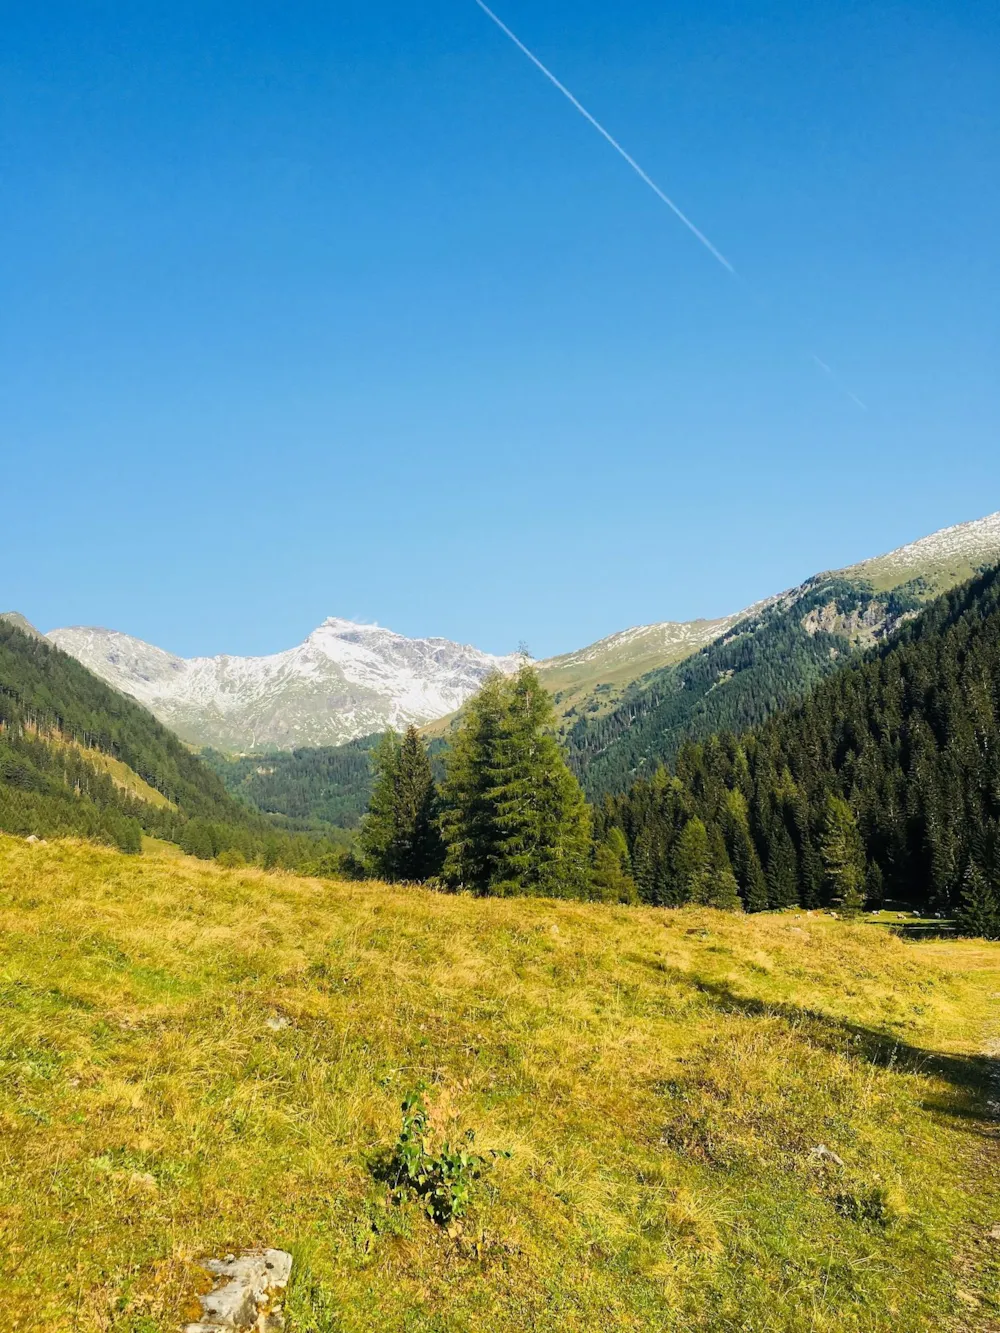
x=824, y=1154
x=248, y=1293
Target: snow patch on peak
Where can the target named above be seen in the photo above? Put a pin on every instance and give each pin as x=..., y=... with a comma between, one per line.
x=346, y=680
x=977, y=541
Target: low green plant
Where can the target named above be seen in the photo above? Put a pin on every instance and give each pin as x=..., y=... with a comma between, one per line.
x=444, y=1179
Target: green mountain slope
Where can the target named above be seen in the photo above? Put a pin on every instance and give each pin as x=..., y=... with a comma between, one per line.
x=78, y=758
x=763, y=662
x=908, y=736
x=327, y=785
x=769, y=656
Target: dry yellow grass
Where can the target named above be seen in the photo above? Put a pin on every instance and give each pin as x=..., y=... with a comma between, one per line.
x=661, y=1078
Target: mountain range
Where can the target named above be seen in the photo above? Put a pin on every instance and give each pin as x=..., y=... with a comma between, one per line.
x=347, y=680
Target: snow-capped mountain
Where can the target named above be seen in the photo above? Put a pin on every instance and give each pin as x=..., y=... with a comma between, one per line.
x=345, y=681
x=351, y=680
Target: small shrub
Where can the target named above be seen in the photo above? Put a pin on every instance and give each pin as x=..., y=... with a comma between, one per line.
x=878, y=1205
x=443, y=1180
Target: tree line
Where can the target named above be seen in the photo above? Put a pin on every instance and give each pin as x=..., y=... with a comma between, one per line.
x=883, y=784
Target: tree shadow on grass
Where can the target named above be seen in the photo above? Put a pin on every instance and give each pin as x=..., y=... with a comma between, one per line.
x=974, y=1078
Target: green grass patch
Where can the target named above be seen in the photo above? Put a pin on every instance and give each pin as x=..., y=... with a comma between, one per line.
x=195, y=1060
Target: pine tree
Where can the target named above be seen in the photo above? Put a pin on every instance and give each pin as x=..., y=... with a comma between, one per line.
x=399, y=839
x=979, y=913
x=378, y=829
x=742, y=852
x=843, y=857
x=514, y=817
x=692, y=862
x=782, y=868
x=612, y=874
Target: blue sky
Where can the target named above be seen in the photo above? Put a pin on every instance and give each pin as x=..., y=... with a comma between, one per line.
x=340, y=309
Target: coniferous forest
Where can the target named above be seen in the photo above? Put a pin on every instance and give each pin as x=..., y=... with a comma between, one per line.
x=766, y=662
x=59, y=723
x=883, y=784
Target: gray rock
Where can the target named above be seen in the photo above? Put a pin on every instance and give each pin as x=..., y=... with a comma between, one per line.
x=825, y=1155
x=248, y=1293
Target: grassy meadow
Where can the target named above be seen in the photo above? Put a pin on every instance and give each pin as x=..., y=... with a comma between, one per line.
x=195, y=1060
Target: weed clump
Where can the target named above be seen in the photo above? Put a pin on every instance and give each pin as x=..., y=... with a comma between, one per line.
x=442, y=1180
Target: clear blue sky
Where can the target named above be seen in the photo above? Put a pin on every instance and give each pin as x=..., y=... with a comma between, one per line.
x=339, y=309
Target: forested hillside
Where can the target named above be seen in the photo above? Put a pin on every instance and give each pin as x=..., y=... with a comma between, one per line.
x=763, y=663
x=884, y=782
x=77, y=757
x=327, y=785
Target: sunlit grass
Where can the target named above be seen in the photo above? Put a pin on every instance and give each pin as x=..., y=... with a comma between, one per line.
x=662, y=1080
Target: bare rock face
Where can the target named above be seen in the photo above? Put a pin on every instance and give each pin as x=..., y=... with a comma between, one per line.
x=248, y=1294
x=344, y=681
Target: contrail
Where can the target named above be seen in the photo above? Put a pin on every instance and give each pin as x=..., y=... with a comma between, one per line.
x=647, y=179
x=610, y=138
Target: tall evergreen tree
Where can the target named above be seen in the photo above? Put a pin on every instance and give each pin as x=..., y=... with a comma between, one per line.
x=843, y=856
x=399, y=837
x=514, y=818
x=692, y=863
x=743, y=854
x=979, y=913
x=782, y=867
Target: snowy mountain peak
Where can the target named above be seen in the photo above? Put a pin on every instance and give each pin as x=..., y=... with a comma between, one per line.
x=346, y=680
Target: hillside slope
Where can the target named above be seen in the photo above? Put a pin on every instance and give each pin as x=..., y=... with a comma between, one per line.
x=327, y=784
x=77, y=756
x=763, y=662
x=589, y=683
x=193, y=1061
x=907, y=736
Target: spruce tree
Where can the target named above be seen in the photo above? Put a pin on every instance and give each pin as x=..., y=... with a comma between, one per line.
x=399, y=839
x=692, y=862
x=612, y=874
x=843, y=857
x=782, y=868
x=979, y=913
x=514, y=817
x=742, y=852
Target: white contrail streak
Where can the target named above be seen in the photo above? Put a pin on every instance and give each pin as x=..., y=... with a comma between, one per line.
x=648, y=180
x=611, y=140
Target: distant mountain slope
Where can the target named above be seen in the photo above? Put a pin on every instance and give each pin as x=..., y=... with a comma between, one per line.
x=20, y=622
x=908, y=735
x=936, y=563
x=591, y=679
x=76, y=756
x=327, y=784
x=771, y=655
x=345, y=681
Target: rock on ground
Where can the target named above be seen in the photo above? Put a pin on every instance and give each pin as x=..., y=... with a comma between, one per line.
x=248, y=1293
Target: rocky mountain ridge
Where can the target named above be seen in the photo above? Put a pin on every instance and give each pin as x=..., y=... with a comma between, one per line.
x=346, y=680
